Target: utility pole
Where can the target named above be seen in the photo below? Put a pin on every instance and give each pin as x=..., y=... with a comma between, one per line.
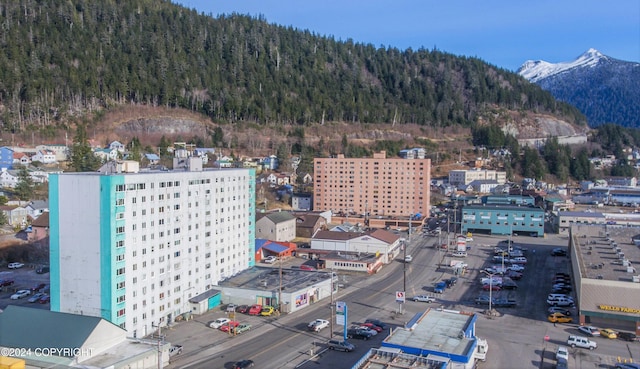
x=331, y=319
x=280, y=288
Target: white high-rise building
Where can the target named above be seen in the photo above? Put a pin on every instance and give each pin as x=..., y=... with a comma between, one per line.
x=134, y=248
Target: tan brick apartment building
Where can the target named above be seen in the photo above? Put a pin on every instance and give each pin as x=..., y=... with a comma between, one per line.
x=380, y=186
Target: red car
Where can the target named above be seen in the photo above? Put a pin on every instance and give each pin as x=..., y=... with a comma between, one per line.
x=38, y=287
x=44, y=299
x=6, y=282
x=306, y=267
x=229, y=325
x=494, y=287
x=255, y=309
x=372, y=326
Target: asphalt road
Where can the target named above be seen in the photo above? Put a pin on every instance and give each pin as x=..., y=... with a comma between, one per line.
x=516, y=337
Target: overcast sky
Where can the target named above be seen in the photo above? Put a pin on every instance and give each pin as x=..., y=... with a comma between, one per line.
x=505, y=33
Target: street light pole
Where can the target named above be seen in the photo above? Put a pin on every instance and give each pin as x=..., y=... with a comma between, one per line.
x=331, y=320
x=490, y=288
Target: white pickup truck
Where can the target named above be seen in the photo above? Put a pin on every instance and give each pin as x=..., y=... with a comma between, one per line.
x=317, y=325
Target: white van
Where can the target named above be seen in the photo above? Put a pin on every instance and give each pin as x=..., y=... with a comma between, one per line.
x=459, y=254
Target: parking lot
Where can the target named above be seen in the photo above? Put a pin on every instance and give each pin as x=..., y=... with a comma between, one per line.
x=24, y=278
x=523, y=330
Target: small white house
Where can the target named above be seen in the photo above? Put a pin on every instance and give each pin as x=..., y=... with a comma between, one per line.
x=44, y=156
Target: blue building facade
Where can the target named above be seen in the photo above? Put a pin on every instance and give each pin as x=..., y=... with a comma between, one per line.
x=6, y=158
x=503, y=219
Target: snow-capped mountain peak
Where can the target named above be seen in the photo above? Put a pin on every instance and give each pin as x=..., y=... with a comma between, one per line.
x=535, y=70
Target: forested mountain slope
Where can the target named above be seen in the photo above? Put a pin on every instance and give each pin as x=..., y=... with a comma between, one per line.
x=64, y=59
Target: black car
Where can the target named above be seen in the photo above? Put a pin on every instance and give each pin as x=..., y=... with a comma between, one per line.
x=626, y=336
x=244, y=309
x=242, y=364
x=558, y=252
x=376, y=322
x=451, y=282
x=360, y=334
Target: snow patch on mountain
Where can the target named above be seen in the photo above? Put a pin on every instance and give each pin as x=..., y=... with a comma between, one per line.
x=535, y=70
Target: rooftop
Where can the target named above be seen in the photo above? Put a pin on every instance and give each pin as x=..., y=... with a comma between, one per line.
x=388, y=359
x=268, y=279
x=606, y=252
x=436, y=330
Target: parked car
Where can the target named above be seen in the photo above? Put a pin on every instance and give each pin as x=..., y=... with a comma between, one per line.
x=558, y=252
x=244, y=309
x=506, y=303
x=219, y=323
x=492, y=287
x=609, y=333
x=341, y=345
x=35, y=297
x=516, y=268
x=376, y=322
x=372, y=326
x=451, y=282
x=243, y=364
x=589, y=330
x=231, y=308
x=229, y=325
x=424, y=298
x=6, y=282
x=513, y=274
x=267, y=311
x=556, y=309
x=627, y=366
x=372, y=332
x=42, y=270
x=408, y=259
x=583, y=342
x=361, y=334
x=20, y=294
x=482, y=300
x=15, y=265
x=626, y=336
x=518, y=260
x=241, y=328
x=562, y=353
x=307, y=267
x=440, y=287
x=559, y=318
x=38, y=287
x=270, y=259
x=255, y=309
x=44, y=299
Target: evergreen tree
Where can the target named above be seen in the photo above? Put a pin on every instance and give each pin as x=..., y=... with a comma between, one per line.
x=82, y=157
x=24, y=187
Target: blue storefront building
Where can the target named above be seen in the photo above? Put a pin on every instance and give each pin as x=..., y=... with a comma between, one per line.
x=503, y=219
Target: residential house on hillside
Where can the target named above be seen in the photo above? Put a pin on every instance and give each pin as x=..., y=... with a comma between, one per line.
x=224, y=162
x=302, y=201
x=277, y=226
x=36, y=208
x=44, y=156
x=152, y=158
x=9, y=178
x=118, y=146
x=16, y=215
x=270, y=163
x=106, y=154
x=484, y=185
x=6, y=158
x=61, y=152
x=305, y=177
x=308, y=224
x=21, y=158
x=39, y=228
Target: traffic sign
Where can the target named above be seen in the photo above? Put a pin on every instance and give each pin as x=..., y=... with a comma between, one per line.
x=400, y=296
